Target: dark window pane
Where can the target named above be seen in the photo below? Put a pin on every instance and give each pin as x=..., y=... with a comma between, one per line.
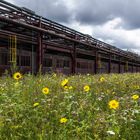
x=18, y=60
x=22, y=60
x=25, y=60
x=47, y=62
x=4, y=58
x=78, y=64
x=66, y=63
x=57, y=63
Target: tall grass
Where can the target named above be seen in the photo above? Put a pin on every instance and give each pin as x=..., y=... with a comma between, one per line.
x=26, y=113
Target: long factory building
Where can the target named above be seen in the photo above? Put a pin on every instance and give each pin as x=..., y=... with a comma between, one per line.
x=34, y=43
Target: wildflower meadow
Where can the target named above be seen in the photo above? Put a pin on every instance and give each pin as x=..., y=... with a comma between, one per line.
x=78, y=107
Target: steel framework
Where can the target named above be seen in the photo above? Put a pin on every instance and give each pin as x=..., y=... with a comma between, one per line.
x=44, y=34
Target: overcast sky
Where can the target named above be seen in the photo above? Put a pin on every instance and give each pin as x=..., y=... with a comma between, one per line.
x=116, y=22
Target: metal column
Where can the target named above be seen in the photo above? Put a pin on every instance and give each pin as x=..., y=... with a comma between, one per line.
x=39, y=51
x=109, y=64
x=119, y=65
x=74, y=59
x=96, y=61
x=132, y=67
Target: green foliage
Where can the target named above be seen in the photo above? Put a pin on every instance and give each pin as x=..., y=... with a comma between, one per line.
x=87, y=113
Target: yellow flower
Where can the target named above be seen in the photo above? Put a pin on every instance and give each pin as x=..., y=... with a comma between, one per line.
x=135, y=97
x=65, y=87
x=102, y=79
x=63, y=120
x=35, y=104
x=64, y=82
x=70, y=87
x=17, y=76
x=113, y=104
x=45, y=90
x=136, y=87
x=86, y=88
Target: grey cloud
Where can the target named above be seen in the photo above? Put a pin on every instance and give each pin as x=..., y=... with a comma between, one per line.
x=131, y=14
x=87, y=12
x=96, y=12
x=118, y=41
x=53, y=10
x=100, y=11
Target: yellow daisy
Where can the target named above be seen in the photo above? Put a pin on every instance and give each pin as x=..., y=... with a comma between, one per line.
x=70, y=87
x=135, y=97
x=102, y=79
x=45, y=90
x=64, y=82
x=65, y=87
x=35, y=104
x=86, y=88
x=113, y=104
x=17, y=76
x=63, y=120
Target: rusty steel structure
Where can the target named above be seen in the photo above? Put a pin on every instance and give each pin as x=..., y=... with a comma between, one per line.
x=44, y=45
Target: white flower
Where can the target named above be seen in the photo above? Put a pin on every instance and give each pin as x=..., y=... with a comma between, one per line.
x=111, y=132
x=136, y=111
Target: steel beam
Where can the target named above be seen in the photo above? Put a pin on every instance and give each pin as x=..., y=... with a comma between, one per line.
x=22, y=38
x=29, y=17
x=38, y=29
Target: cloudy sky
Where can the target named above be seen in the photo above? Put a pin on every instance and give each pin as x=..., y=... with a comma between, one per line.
x=114, y=21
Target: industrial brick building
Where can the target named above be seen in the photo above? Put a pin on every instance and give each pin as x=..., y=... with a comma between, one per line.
x=34, y=43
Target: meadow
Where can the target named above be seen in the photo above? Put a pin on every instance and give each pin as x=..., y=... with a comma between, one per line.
x=80, y=107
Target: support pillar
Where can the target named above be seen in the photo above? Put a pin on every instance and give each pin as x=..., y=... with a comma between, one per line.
x=39, y=50
x=74, y=59
x=109, y=64
x=132, y=67
x=126, y=66
x=39, y=53
x=119, y=65
x=96, y=62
